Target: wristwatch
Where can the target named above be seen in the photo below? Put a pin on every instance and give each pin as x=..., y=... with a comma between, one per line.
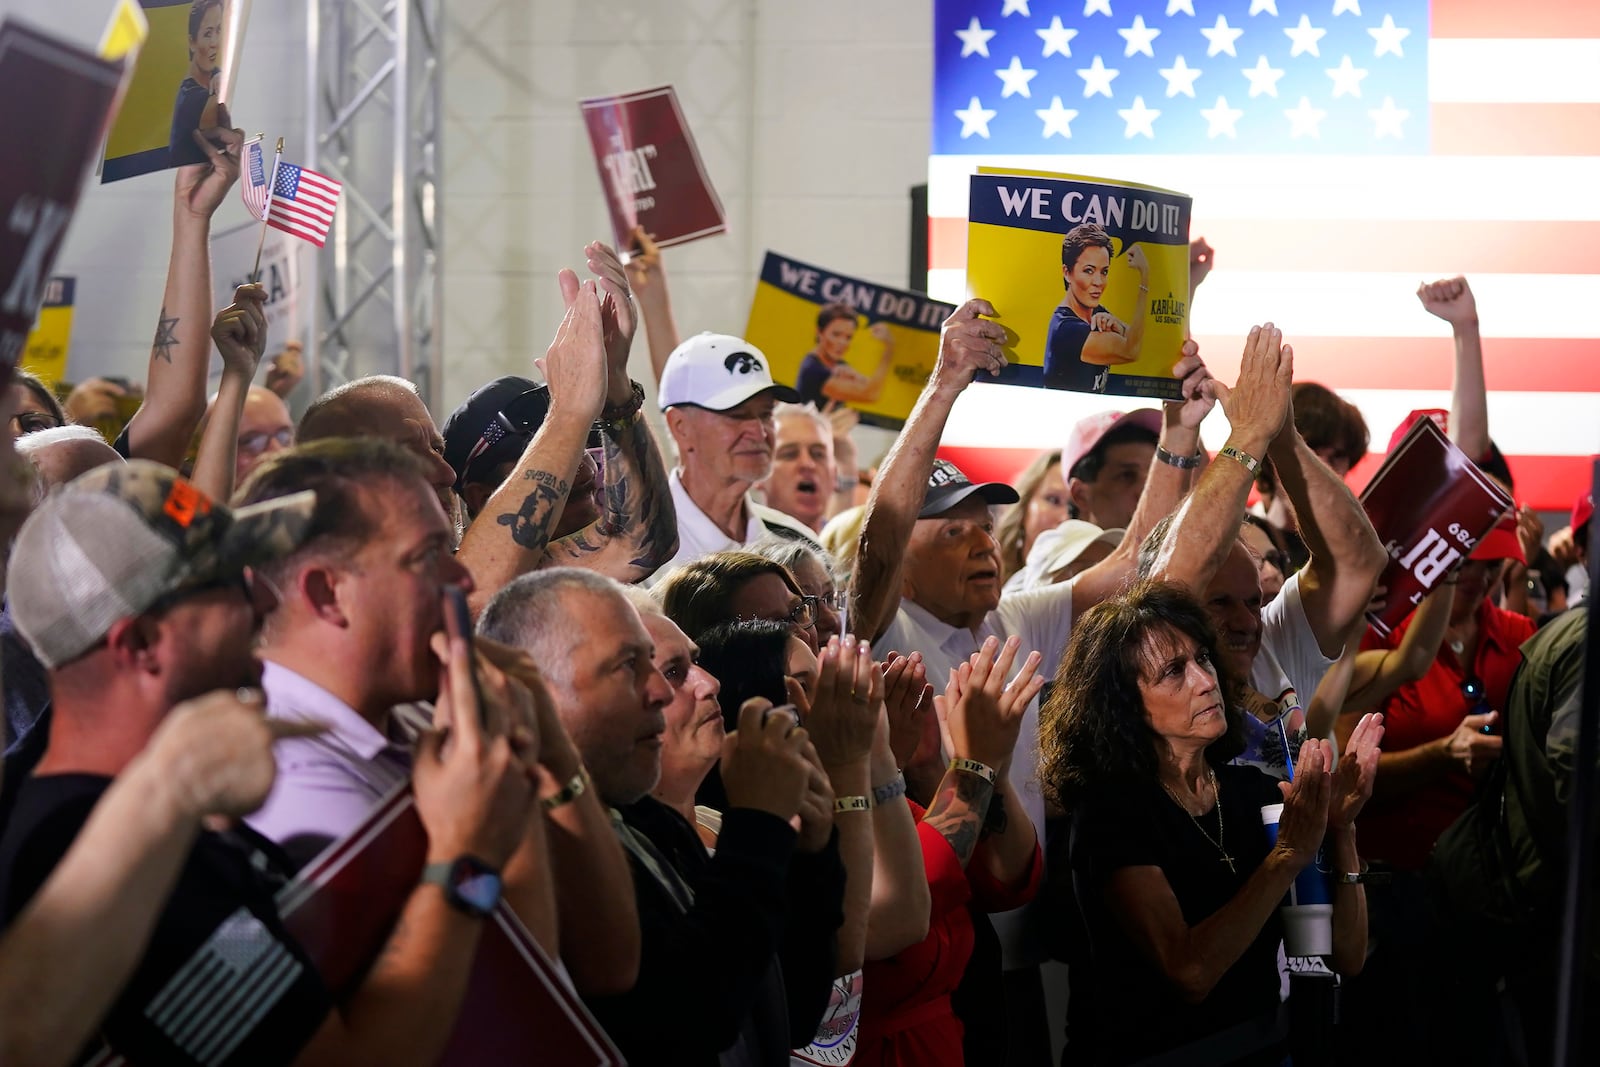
x=470, y=885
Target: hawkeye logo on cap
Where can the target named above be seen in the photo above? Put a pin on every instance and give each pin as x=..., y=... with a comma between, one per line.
x=742, y=363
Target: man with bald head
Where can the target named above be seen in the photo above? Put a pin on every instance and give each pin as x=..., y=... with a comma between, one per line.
x=265, y=427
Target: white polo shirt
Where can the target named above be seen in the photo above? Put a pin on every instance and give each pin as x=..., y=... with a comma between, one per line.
x=699, y=536
x=1042, y=618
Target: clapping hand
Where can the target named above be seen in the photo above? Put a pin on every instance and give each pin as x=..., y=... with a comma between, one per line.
x=908, y=699
x=574, y=367
x=981, y=713
x=841, y=710
x=1304, y=821
x=617, y=319
x=1258, y=404
x=1352, y=781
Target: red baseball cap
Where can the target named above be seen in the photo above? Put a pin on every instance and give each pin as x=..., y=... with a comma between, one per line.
x=1088, y=432
x=1501, y=542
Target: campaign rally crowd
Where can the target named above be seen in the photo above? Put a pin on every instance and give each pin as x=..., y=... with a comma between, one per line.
x=778, y=755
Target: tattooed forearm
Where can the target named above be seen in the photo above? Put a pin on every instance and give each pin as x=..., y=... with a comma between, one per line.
x=531, y=525
x=958, y=810
x=618, y=515
x=166, y=336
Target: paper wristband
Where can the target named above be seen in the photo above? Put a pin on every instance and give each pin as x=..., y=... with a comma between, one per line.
x=1250, y=463
x=841, y=805
x=972, y=766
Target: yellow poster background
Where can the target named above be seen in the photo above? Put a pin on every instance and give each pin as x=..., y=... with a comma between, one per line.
x=1018, y=270
x=783, y=326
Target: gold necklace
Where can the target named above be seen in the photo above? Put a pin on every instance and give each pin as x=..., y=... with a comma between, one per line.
x=1216, y=842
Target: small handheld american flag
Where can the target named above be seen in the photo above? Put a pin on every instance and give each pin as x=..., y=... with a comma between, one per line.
x=287, y=197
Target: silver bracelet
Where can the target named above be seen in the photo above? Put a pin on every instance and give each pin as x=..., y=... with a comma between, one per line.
x=896, y=787
x=1185, y=463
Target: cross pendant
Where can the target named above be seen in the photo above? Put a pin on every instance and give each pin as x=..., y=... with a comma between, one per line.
x=1229, y=861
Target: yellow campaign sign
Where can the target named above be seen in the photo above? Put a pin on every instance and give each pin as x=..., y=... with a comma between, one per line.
x=125, y=32
x=174, y=88
x=839, y=339
x=1090, y=278
x=45, y=351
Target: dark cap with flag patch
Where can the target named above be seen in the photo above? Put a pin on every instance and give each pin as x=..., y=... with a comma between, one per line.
x=123, y=536
x=947, y=487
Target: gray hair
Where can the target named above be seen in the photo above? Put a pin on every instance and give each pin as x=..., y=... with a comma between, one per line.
x=30, y=443
x=807, y=411
x=643, y=600
x=531, y=613
x=788, y=552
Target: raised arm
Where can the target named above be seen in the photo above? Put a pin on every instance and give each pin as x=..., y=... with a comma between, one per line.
x=1451, y=300
x=474, y=797
x=65, y=959
x=175, y=390
x=638, y=530
x=649, y=281
x=1206, y=525
x=512, y=533
x=241, y=336
x=1164, y=488
x=968, y=344
x=1347, y=556
x=1379, y=672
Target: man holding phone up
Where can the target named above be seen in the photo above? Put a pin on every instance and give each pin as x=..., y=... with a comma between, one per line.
x=358, y=630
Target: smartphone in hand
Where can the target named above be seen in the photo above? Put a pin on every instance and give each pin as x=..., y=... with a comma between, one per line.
x=458, y=623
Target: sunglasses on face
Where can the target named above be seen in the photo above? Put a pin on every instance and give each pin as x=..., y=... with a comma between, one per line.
x=1277, y=558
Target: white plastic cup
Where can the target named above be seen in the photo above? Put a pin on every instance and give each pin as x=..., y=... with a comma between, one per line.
x=1307, y=912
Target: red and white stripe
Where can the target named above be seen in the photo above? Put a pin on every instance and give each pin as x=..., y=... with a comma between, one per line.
x=1332, y=250
x=310, y=213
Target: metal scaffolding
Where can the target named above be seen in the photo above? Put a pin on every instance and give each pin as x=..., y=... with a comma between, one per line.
x=374, y=111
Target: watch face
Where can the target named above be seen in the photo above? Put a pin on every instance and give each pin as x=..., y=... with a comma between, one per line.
x=476, y=887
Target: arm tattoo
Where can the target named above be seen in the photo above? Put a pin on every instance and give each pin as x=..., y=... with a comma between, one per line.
x=635, y=489
x=166, y=336
x=957, y=811
x=530, y=526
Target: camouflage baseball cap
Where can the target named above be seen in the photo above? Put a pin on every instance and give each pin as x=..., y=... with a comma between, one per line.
x=115, y=540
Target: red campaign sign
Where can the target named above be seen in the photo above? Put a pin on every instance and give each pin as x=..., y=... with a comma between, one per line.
x=1430, y=504
x=343, y=905
x=60, y=101
x=650, y=168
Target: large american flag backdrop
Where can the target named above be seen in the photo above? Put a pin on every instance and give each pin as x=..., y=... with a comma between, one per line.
x=1338, y=152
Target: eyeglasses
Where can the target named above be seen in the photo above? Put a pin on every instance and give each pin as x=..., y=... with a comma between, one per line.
x=802, y=615
x=835, y=600
x=256, y=443
x=33, y=421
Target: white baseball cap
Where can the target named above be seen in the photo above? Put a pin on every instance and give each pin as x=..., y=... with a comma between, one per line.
x=717, y=371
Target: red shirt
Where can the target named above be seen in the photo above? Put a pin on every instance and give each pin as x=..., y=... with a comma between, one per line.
x=906, y=1017
x=1404, y=831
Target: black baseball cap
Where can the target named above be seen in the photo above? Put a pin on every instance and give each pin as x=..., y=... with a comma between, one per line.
x=947, y=487
x=496, y=422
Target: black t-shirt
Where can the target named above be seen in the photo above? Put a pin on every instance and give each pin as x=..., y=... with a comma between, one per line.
x=221, y=982
x=813, y=375
x=1138, y=1012
x=1063, y=357
x=186, y=111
